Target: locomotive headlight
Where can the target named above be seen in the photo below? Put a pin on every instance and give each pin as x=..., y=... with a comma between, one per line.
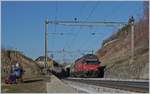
x=96, y=69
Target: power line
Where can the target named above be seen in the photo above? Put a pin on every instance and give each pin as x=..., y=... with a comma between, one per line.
x=81, y=9
x=65, y=53
x=56, y=10
x=98, y=23
x=72, y=41
x=87, y=40
x=55, y=28
x=92, y=11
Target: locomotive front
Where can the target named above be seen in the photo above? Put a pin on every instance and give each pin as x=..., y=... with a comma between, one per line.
x=87, y=66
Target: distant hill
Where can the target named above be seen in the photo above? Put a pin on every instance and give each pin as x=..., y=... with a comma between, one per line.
x=115, y=52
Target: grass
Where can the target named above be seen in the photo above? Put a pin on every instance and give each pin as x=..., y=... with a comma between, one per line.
x=33, y=87
x=29, y=86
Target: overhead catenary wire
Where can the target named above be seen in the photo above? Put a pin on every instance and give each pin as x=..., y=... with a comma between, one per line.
x=55, y=28
x=87, y=41
x=90, y=22
x=92, y=11
x=64, y=53
x=75, y=37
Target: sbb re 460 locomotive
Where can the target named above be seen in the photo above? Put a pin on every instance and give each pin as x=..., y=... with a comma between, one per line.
x=87, y=66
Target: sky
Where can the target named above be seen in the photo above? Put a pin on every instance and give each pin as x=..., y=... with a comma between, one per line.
x=23, y=25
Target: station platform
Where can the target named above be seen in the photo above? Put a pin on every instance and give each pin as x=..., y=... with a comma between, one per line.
x=55, y=85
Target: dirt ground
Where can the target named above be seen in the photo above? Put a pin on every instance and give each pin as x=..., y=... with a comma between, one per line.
x=29, y=86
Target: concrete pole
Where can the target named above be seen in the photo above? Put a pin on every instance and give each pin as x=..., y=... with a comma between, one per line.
x=63, y=52
x=132, y=39
x=46, y=42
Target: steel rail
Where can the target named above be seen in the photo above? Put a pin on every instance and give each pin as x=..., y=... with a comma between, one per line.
x=141, y=87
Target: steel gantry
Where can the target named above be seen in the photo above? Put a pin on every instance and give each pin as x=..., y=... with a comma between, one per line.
x=88, y=24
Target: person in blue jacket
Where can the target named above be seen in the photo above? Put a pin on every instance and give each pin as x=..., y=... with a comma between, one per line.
x=19, y=72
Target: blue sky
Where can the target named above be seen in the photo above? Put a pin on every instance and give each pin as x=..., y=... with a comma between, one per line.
x=23, y=25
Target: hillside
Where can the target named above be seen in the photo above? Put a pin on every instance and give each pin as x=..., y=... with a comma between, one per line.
x=115, y=53
x=9, y=57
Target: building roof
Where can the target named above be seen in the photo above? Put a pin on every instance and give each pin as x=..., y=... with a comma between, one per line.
x=42, y=58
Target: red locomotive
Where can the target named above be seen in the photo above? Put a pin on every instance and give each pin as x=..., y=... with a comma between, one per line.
x=87, y=66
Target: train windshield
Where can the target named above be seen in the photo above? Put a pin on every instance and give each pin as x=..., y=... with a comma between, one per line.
x=92, y=62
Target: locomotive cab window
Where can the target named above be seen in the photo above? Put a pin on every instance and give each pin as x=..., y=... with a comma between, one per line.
x=92, y=62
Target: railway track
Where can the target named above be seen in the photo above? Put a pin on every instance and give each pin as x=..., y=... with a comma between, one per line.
x=133, y=86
